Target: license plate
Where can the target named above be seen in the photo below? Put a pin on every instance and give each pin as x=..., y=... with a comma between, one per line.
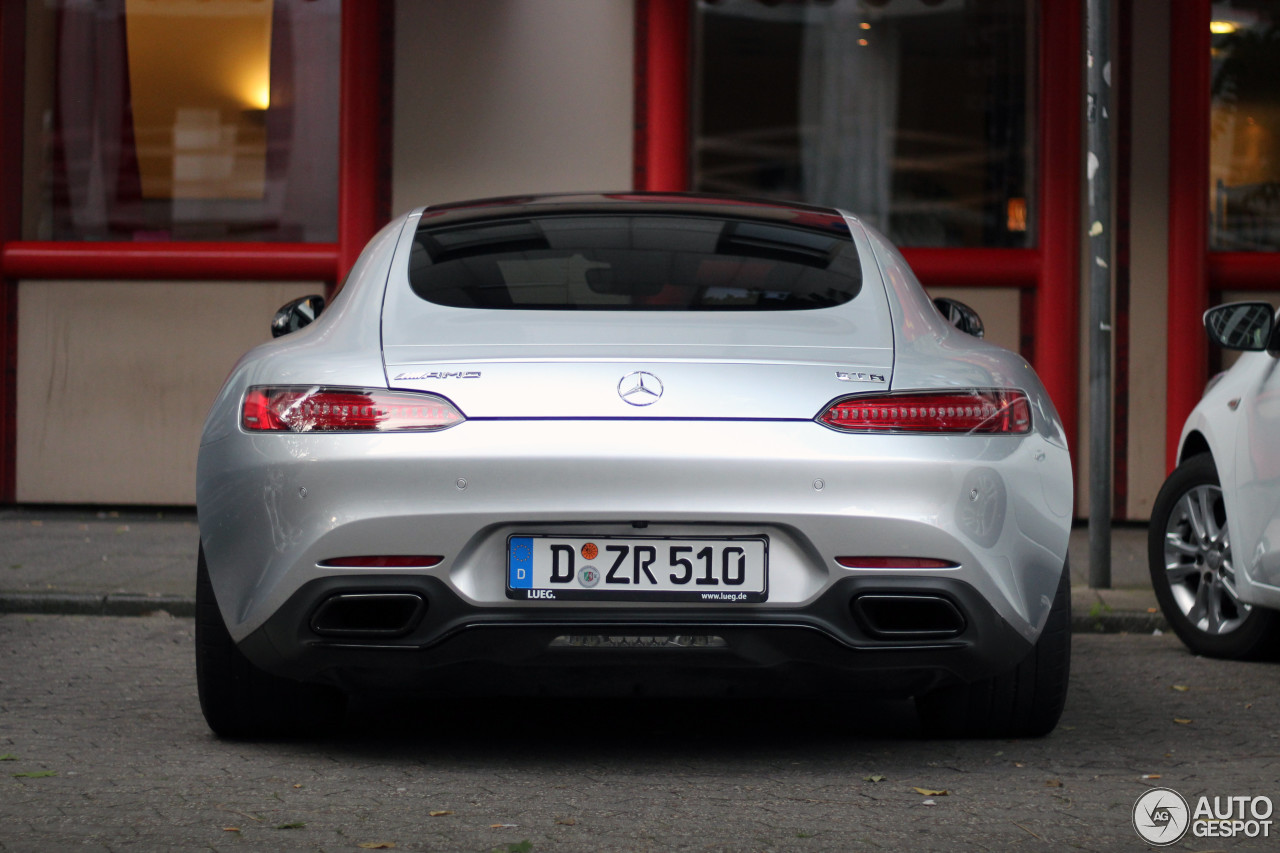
x=624, y=568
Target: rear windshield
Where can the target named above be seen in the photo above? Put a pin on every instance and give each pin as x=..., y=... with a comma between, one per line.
x=612, y=262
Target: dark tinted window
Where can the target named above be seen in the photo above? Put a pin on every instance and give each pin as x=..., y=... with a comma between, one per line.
x=633, y=262
x=916, y=115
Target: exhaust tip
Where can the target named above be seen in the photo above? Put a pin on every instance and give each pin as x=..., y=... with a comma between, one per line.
x=907, y=616
x=369, y=614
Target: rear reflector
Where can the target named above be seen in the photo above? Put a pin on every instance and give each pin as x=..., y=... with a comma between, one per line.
x=978, y=411
x=315, y=409
x=383, y=561
x=895, y=563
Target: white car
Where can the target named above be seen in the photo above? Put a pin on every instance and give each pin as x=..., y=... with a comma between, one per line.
x=621, y=443
x=1214, y=539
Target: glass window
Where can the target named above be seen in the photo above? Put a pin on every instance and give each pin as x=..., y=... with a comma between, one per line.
x=182, y=120
x=1244, y=159
x=914, y=114
x=633, y=263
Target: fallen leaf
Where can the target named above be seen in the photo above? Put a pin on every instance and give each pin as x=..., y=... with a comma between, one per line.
x=503, y=825
x=1053, y=783
x=36, y=774
x=377, y=845
x=873, y=779
x=1181, y=688
x=230, y=829
x=295, y=825
x=930, y=792
x=440, y=813
x=1153, y=609
x=1182, y=721
x=1018, y=764
x=299, y=785
x=567, y=821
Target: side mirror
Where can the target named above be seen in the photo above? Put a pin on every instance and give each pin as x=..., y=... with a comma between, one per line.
x=1243, y=326
x=960, y=315
x=292, y=316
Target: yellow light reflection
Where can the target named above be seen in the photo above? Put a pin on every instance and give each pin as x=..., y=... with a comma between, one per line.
x=1017, y=214
x=1223, y=28
x=260, y=97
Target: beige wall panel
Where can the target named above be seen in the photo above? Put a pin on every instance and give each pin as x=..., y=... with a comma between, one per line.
x=115, y=378
x=997, y=306
x=495, y=97
x=1149, y=276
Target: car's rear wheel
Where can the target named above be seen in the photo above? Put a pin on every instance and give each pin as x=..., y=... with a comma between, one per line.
x=1193, y=569
x=1026, y=701
x=241, y=701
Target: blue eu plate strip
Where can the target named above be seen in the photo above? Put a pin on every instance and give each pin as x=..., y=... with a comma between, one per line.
x=520, y=562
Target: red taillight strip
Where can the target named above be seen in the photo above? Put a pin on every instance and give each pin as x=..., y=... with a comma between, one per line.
x=383, y=561
x=895, y=563
x=316, y=409
x=980, y=411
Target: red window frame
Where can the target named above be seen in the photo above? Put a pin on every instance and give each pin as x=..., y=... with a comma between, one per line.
x=364, y=193
x=1046, y=276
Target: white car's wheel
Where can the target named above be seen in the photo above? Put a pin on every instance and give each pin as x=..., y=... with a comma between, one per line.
x=1193, y=570
x=241, y=701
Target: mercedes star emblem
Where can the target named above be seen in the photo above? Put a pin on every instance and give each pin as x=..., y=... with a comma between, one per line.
x=640, y=388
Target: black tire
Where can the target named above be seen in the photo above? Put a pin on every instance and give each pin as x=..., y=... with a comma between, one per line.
x=1192, y=571
x=1026, y=701
x=241, y=701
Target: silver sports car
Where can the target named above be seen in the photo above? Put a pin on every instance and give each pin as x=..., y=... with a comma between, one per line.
x=632, y=443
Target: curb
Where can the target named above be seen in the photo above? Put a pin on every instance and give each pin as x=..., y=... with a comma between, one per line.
x=130, y=604
x=91, y=604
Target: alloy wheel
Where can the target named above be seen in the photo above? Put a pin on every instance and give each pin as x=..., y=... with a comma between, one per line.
x=1198, y=562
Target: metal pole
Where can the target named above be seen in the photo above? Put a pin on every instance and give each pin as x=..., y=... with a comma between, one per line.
x=1098, y=114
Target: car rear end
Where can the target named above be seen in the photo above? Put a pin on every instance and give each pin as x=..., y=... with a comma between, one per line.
x=626, y=446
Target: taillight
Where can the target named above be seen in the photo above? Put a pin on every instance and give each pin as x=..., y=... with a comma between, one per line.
x=316, y=409
x=979, y=411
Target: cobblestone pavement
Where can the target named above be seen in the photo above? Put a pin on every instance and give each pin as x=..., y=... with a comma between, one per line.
x=103, y=748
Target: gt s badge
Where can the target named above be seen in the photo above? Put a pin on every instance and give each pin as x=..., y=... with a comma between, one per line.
x=852, y=376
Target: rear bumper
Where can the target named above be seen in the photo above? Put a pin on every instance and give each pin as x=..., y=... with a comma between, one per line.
x=829, y=646
x=273, y=509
